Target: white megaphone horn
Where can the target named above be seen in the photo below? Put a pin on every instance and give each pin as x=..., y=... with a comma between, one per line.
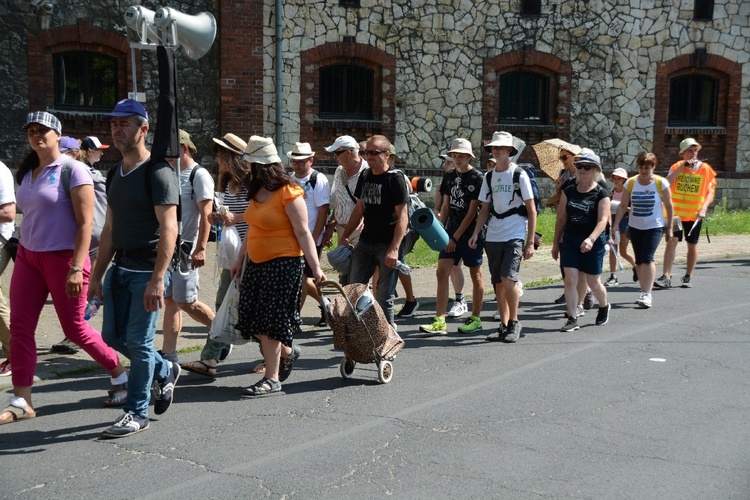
x=195, y=34
x=140, y=23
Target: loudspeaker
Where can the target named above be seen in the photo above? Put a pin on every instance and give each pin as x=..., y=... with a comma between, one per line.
x=196, y=33
x=140, y=23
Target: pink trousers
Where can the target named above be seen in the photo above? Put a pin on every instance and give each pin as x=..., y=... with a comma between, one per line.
x=35, y=276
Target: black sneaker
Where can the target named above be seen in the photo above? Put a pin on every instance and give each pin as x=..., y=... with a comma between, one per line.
x=635, y=275
x=560, y=299
x=685, y=282
x=65, y=347
x=603, y=315
x=165, y=390
x=408, y=310
x=570, y=325
x=126, y=425
x=513, y=331
x=498, y=335
x=588, y=300
x=322, y=323
x=225, y=352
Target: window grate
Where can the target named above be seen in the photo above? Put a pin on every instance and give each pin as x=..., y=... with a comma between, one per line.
x=85, y=80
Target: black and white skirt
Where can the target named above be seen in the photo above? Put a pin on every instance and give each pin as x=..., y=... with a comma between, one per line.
x=270, y=296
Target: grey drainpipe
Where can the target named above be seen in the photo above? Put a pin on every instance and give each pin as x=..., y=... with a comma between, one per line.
x=279, y=74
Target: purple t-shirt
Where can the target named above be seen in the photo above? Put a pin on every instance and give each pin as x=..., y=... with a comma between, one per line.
x=49, y=223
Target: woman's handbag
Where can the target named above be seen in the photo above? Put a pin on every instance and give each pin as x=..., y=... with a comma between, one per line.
x=223, y=327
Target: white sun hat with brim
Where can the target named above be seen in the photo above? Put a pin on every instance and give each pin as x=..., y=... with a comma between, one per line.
x=261, y=150
x=500, y=139
x=461, y=146
x=445, y=157
x=301, y=151
x=686, y=143
x=587, y=156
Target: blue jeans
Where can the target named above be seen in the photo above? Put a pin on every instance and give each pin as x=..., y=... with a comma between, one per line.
x=129, y=328
x=365, y=258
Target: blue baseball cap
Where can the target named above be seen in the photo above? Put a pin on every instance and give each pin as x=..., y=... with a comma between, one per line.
x=67, y=143
x=127, y=107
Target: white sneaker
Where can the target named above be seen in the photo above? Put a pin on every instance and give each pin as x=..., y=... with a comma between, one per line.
x=459, y=309
x=644, y=300
x=520, y=288
x=579, y=311
x=497, y=316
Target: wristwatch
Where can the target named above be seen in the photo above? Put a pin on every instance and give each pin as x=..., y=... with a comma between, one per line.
x=76, y=269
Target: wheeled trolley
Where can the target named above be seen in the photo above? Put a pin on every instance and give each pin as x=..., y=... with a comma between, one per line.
x=360, y=328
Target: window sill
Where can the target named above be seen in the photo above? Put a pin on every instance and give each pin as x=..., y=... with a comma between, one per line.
x=344, y=123
x=69, y=114
x=526, y=127
x=693, y=130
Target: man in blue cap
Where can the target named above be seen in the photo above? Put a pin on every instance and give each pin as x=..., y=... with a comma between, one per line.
x=140, y=232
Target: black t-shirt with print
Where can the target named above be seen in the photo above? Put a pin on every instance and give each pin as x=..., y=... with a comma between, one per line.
x=461, y=190
x=583, y=209
x=380, y=194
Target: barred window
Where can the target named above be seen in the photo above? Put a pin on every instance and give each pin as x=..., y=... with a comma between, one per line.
x=693, y=100
x=85, y=80
x=524, y=98
x=531, y=7
x=346, y=92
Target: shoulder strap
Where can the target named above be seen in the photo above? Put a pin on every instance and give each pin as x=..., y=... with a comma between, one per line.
x=630, y=185
x=192, y=179
x=658, y=183
x=313, y=179
x=65, y=173
x=488, y=175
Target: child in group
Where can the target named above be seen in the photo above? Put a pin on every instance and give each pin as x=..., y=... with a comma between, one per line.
x=619, y=177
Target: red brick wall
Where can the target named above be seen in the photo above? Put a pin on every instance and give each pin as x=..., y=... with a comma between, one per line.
x=528, y=59
x=241, y=68
x=322, y=133
x=719, y=144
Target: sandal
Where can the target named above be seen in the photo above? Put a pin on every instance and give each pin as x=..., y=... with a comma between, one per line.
x=17, y=413
x=117, y=395
x=259, y=368
x=263, y=387
x=200, y=367
x=288, y=363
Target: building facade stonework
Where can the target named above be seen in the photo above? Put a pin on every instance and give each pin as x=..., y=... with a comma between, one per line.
x=438, y=69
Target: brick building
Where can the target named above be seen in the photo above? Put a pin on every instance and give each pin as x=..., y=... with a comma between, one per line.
x=614, y=75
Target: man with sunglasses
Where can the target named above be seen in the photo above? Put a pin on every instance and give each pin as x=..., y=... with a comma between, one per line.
x=382, y=198
x=342, y=202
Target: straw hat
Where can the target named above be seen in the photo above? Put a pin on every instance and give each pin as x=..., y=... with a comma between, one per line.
x=301, y=151
x=232, y=143
x=261, y=150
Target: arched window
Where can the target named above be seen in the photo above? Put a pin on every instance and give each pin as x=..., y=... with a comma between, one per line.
x=693, y=101
x=524, y=98
x=346, y=92
x=85, y=80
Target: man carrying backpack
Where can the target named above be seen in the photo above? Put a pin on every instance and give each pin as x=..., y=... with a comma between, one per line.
x=506, y=195
x=181, y=294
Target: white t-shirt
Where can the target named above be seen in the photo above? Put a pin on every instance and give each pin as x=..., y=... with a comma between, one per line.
x=513, y=227
x=7, y=195
x=204, y=190
x=645, y=205
x=314, y=199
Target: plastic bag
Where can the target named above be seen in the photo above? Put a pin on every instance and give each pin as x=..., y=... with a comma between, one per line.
x=229, y=247
x=223, y=327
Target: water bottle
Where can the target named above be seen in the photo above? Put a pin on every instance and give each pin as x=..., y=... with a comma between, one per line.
x=403, y=268
x=219, y=226
x=92, y=308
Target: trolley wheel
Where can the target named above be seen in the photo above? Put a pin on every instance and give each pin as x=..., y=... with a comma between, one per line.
x=385, y=371
x=347, y=367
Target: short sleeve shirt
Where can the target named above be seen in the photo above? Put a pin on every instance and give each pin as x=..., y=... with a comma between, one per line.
x=380, y=194
x=270, y=234
x=513, y=227
x=315, y=197
x=583, y=209
x=341, y=203
x=461, y=190
x=7, y=195
x=49, y=223
x=135, y=227
x=202, y=188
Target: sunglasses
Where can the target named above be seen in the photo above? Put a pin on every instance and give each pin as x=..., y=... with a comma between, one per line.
x=339, y=153
x=585, y=166
x=371, y=152
x=564, y=157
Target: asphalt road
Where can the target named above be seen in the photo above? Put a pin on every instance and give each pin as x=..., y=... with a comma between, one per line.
x=652, y=405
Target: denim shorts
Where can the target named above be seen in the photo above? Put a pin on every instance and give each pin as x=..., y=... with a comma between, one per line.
x=645, y=242
x=182, y=286
x=590, y=262
x=472, y=257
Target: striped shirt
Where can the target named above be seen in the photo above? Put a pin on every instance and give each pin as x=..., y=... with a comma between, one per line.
x=237, y=203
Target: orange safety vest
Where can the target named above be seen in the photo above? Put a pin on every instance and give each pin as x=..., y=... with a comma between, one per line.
x=690, y=189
